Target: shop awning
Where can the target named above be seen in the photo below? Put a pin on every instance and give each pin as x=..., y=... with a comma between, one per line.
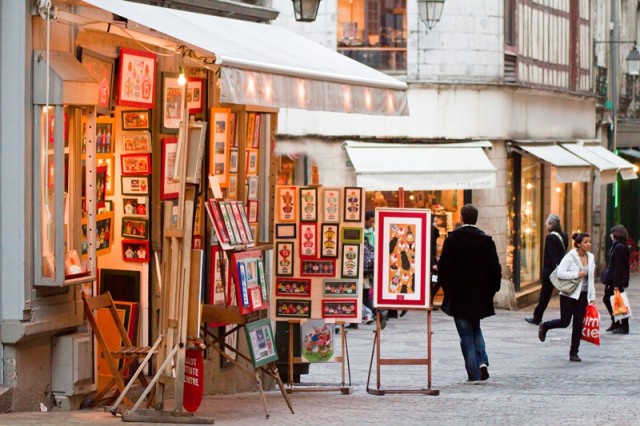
x=270, y=66
x=607, y=169
x=569, y=167
x=387, y=167
x=626, y=169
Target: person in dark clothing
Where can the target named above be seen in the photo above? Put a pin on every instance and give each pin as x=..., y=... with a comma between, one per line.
x=616, y=275
x=555, y=247
x=435, y=285
x=469, y=272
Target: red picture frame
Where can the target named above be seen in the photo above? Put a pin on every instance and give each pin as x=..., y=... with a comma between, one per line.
x=135, y=250
x=135, y=164
x=308, y=235
x=137, y=78
x=195, y=95
x=340, y=308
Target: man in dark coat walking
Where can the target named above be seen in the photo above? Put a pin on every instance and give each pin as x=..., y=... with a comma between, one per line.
x=469, y=272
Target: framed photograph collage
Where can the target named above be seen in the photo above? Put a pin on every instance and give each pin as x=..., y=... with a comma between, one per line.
x=318, y=253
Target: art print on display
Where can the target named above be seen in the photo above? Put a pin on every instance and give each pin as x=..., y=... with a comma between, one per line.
x=170, y=187
x=340, y=288
x=308, y=204
x=135, y=207
x=286, y=202
x=136, y=120
x=218, y=221
x=133, y=142
x=172, y=103
x=233, y=160
x=135, y=185
x=347, y=308
x=329, y=240
x=105, y=135
x=254, y=231
x=261, y=342
x=317, y=267
x=216, y=282
x=352, y=204
x=104, y=231
x=227, y=223
x=402, y=258
x=137, y=78
x=308, y=240
x=108, y=162
x=286, y=230
x=262, y=280
x=135, y=228
x=219, y=145
x=102, y=70
x=284, y=259
x=101, y=186
x=252, y=212
x=331, y=205
x=317, y=341
x=135, y=164
x=135, y=251
x=195, y=95
x=252, y=193
x=232, y=189
x=252, y=162
x=352, y=234
x=289, y=308
x=245, y=221
x=230, y=221
x=255, y=298
x=350, y=260
x=293, y=287
x=238, y=212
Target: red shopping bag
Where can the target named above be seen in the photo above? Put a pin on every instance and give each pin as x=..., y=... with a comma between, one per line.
x=591, y=325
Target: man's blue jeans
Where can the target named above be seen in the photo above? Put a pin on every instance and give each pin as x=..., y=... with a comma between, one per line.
x=472, y=345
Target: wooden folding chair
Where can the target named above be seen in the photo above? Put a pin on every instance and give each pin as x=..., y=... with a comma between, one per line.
x=127, y=352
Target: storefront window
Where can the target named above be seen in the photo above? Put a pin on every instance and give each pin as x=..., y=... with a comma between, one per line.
x=532, y=223
x=569, y=202
x=374, y=33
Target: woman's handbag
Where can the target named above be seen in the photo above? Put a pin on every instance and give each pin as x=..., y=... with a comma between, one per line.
x=620, y=305
x=565, y=286
x=591, y=325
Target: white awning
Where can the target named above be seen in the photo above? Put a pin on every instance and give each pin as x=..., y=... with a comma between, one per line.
x=625, y=168
x=607, y=169
x=270, y=66
x=569, y=167
x=387, y=167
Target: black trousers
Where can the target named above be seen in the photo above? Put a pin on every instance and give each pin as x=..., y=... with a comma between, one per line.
x=570, y=308
x=608, y=292
x=543, y=300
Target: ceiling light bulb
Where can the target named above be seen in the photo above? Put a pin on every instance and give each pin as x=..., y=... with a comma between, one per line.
x=182, y=79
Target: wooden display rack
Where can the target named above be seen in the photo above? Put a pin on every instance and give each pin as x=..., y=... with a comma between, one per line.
x=344, y=388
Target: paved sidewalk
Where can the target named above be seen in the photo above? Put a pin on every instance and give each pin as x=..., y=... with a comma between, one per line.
x=532, y=383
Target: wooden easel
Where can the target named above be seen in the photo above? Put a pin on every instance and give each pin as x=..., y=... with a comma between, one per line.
x=345, y=387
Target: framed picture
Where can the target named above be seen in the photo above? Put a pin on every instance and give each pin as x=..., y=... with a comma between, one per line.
x=136, y=87
x=233, y=124
x=104, y=232
x=216, y=282
x=339, y=288
x=135, y=207
x=317, y=339
x=245, y=274
x=218, y=221
x=294, y=287
x=169, y=187
x=102, y=69
x=331, y=205
x=254, y=231
x=136, y=120
x=238, y=213
x=255, y=298
x=346, y=308
x=245, y=221
x=134, y=142
x=308, y=240
x=195, y=95
x=262, y=280
x=329, y=240
x=293, y=308
x=135, y=185
x=252, y=193
x=308, y=204
x=233, y=160
x=108, y=207
x=133, y=227
x=72, y=265
x=352, y=234
x=105, y=136
x=350, y=260
x=101, y=185
x=352, y=204
x=286, y=231
x=318, y=267
x=190, y=145
x=252, y=212
x=108, y=161
x=402, y=234
x=252, y=162
x=232, y=189
x=172, y=103
x=135, y=251
x=284, y=259
x=135, y=164
x=229, y=223
x=219, y=140
x=286, y=203
x=261, y=342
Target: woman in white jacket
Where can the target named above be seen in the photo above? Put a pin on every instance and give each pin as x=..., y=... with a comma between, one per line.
x=578, y=263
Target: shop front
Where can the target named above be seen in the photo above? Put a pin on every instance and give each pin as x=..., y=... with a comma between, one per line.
x=104, y=187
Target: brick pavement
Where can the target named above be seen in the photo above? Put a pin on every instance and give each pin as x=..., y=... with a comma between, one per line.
x=531, y=382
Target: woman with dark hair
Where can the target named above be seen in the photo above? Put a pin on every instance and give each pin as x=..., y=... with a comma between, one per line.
x=578, y=263
x=616, y=275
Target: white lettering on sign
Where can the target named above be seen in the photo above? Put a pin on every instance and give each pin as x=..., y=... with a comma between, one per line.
x=191, y=372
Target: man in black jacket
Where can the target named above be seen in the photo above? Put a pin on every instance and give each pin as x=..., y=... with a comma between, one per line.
x=469, y=272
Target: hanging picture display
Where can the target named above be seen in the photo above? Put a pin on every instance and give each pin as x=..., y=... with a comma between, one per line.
x=317, y=341
x=401, y=273
x=317, y=266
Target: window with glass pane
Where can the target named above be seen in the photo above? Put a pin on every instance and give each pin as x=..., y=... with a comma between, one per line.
x=374, y=32
x=532, y=223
